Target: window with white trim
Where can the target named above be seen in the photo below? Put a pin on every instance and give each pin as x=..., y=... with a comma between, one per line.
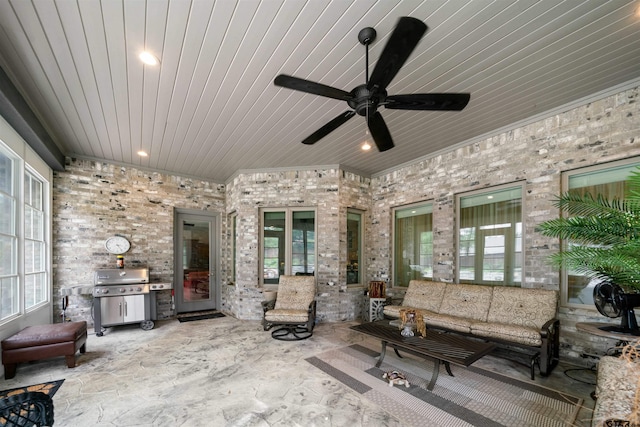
x=608, y=180
x=288, y=239
x=413, y=243
x=490, y=237
x=354, y=247
x=24, y=247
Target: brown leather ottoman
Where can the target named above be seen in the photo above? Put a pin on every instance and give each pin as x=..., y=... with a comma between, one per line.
x=42, y=342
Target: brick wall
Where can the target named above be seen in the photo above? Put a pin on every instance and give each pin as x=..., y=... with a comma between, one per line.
x=536, y=154
x=328, y=190
x=94, y=200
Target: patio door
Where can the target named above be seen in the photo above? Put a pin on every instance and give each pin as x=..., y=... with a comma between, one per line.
x=196, y=261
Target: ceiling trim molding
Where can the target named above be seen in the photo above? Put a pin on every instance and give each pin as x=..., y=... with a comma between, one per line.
x=19, y=115
x=631, y=84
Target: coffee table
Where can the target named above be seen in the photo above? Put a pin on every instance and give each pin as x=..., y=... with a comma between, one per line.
x=441, y=347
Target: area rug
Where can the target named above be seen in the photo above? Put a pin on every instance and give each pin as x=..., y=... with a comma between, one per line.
x=49, y=388
x=199, y=316
x=473, y=397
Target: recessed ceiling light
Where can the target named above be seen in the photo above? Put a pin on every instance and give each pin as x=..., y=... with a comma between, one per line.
x=142, y=153
x=366, y=146
x=149, y=58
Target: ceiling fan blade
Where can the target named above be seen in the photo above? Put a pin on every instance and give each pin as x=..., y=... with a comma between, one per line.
x=311, y=87
x=428, y=101
x=403, y=40
x=329, y=127
x=380, y=132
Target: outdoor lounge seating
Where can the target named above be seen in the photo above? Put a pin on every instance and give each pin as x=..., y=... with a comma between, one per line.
x=42, y=342
x=520, y=317
x=293, y=311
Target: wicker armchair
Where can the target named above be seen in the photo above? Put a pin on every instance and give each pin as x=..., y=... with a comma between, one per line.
x=294, y=309
x=31, y=408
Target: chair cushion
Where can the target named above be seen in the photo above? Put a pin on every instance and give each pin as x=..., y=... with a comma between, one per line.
x=287, y=316
x=295, y=292
x=616, y=390
x=38, y=335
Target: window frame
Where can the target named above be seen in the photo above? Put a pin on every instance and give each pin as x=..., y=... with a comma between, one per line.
x=288, y=239
x=21, y=169
x=233, y=232
x=565, y=177
x=426, y=204
x=520, y=185
x=361, y=247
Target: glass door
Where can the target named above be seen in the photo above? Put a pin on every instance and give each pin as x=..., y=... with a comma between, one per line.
x=195, y=260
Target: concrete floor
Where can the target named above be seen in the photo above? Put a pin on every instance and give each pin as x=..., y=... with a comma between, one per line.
x=227, y=372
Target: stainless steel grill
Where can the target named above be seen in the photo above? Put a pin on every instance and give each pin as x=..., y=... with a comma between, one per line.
x=121, y=296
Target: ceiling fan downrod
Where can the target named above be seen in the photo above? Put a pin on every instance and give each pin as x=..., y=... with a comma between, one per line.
x=366, y=36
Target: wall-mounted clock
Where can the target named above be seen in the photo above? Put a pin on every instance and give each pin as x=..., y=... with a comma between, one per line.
x=117, y=245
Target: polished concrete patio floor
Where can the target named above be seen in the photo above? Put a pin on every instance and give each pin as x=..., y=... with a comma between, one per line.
x=227, y=372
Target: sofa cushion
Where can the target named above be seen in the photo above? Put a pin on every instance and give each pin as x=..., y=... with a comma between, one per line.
x=522, y=306
x=424, y=294
x=508, y=332
x=446, y=321
x=467, y=301
x=394, y=310
x=616, y=390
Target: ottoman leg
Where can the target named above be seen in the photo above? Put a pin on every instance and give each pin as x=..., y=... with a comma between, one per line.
x=71, y=360
x=10, y=370
x=83, y=349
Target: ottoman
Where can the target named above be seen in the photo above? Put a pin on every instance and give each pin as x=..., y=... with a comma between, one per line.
x=42, y=342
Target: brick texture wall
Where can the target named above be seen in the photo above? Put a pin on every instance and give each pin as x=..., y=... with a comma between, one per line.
x=94, y=200
x=535, y=154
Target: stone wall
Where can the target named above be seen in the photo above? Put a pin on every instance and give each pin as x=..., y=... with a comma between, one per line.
x=328, y=190
x=535, y=154
x=94, y=200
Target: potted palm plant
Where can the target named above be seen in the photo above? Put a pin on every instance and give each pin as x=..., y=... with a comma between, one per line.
x=603, y=243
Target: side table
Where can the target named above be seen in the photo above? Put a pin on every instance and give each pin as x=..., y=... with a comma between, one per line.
x=376, y=305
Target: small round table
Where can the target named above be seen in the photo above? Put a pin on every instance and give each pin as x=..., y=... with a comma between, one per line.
x=604, y=330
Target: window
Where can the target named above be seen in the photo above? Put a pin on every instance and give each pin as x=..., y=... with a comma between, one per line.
x=490, y=237
x=413, y=243
x=234, y=246
x=24, y=279
x=288, y=243
x=609, y=181
x=354, y=247
x=35, y=275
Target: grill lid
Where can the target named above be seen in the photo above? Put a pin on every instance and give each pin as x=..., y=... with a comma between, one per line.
x=117, y=276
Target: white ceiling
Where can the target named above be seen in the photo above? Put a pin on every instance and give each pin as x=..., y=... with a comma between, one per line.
x=211, y=108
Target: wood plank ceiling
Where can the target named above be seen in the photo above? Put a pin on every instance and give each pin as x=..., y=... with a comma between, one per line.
x=210, y=108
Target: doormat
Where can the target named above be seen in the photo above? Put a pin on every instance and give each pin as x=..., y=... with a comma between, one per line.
x=472, y=397
x=49, y=388
x=190, y=318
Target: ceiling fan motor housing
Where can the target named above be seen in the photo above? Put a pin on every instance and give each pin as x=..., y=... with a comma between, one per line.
x=364, y=99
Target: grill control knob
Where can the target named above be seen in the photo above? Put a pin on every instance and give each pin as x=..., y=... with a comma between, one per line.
x=139, y=289
x=105, y=291
x=123, y=290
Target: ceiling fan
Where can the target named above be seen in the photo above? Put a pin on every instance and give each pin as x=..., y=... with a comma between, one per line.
x=365, y=99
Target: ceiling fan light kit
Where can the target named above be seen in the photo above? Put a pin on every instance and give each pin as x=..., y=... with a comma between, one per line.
x=365, y=99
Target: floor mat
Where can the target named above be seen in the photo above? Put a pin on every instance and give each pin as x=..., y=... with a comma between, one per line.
x=49, y=388
x=472, y=397
x=199, y=316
